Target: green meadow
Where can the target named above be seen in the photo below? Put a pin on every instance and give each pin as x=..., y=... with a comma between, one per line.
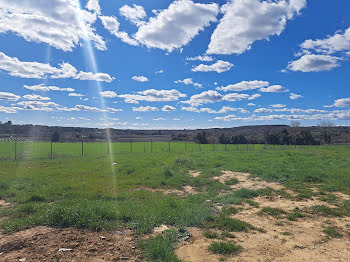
x=105, y=192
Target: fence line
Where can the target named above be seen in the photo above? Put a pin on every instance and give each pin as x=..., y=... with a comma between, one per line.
x=17, y=150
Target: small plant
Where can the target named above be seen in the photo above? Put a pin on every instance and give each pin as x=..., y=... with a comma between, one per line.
x=252, y=203
x=4, y=186
x=228, y=211
x=226, y=234
x=332, y=231
x=224, y=248
x=275, y=212
x=232, y=181
x=231, y=224
x=286, y=233
x=295, y=215
x=36, y=198
x=326, y=211
x=168, y=172
x=210, y=234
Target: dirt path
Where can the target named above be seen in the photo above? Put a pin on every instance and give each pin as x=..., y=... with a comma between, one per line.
x=50, y=244
x=284, y=240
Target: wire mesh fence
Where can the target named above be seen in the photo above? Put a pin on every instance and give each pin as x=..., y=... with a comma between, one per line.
x=15, y=149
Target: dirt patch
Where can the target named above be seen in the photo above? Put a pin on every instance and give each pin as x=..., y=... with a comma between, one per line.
x=3, y=203
x=187, y=190
x=194, y=173
x=246, y=181
x=50, y=244
x=284, y=240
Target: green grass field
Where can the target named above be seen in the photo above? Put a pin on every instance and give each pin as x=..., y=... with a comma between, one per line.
x=35, y=150
x=111, y=192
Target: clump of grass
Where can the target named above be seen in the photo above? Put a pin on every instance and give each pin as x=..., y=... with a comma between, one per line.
x=295, y=215
x=27, y=209
x=323, y=210
x=224, y=248
x=210, y=234
x=168, y=172
x=4, y=185
x=231, y=224
x=160, y=248
x=226, y=234
x=183, y=161
x=232, y=181
x=333, y=232
x=228, y=211
x=329, y=198
x=275, y=212
x=286, y=233
x=237, y=197
x=252, y=203
x=36, y=198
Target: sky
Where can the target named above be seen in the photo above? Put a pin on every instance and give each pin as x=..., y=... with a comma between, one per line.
x=140, y=64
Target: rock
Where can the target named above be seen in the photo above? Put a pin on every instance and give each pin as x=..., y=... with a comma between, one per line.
x=102, y=238
x=65, y=249
x=22, y=259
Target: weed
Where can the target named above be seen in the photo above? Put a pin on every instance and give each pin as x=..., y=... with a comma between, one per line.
x=36, y=198
x=295, y=215
x=224, y=248
x=210, y=234
x=275, y=212
x=231, y=224
x=232, y=181
x=252, y=203
x=323, y=210
x=333, y=232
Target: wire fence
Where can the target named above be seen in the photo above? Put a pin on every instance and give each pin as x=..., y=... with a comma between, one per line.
x=14, y=149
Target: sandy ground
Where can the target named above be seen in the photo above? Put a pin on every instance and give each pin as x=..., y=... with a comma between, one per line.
x=284, y=240
x=50, y=244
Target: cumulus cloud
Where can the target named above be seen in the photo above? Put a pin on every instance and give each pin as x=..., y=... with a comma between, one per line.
x=188, y=81
x=145, y=109
x=45, y=22
x=233, y=97
x=244, y=85
x=109, y=94
x=158, y=119
x=75, y=95
x=17, y=68
x=343, y=102
x=9, y=110
x=5, y=96
x=134, y=14
x=278, y=105
x=168, y=108
x=255, y=96
x=314, y=63
x=177, y=25
x=44, y=88
x=140, y=78
x=293, y=96
x=219, y=67
x=36, y=97
x=159, y=72
x=93, y=5
x=274, y=89
x=204, y=58
x=112, y=25
x=246, y=21
x=223, y=110
x=210, y=96
x=153, y=95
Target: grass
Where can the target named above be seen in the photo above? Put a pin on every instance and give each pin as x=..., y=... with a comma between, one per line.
x=92, y=192
x=275, y=212
x=224, y=248
x=333, y=232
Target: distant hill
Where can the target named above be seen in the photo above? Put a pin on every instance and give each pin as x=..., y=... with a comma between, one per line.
x=256, y=133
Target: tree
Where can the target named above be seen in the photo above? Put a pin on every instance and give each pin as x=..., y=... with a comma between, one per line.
x=9, y=123
x=284, y=137
x=324, y=127
x=55, y=137
x=202, y=138
x=224, y=139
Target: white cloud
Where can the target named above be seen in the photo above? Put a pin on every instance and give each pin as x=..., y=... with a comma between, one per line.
x=27, y=104
x=314, y=63
x=278, y=106
x=160, y=72
x=145, y=109
x=246, y=21
x=9, y=110
x=140, y=78
x=44, y=88
x=255, y=96
x=219, y=67
x=46, y=22
x=5, y=96
x=339, y=42
x=93, y=5
x=17, y=68
x=233, y=97
x=112, y=25
x=36, y=97
x=274, y=89
x=244, y=85
x=223, y=110
x=188, y=81
x=263, y=110
x=153, y=95
x=204, y=58
x=176, y=26
x=168, y=108
x=293, y=96
x=75, y=95
x=176, y=119
x=159, y=119
x=343, y=102
x=139, y=118
x=135, y=14
x=109, y=94
x=210, y=96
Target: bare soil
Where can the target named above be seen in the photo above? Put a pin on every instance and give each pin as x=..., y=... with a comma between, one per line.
x=284, y=240
x=51, y=244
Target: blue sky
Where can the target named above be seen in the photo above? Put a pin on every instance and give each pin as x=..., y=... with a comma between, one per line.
x=174, y=64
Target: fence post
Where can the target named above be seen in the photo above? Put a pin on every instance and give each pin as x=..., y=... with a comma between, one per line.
x=15, y=150
x=82, y=147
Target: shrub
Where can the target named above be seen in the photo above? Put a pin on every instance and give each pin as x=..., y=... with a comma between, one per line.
x=224, y=248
